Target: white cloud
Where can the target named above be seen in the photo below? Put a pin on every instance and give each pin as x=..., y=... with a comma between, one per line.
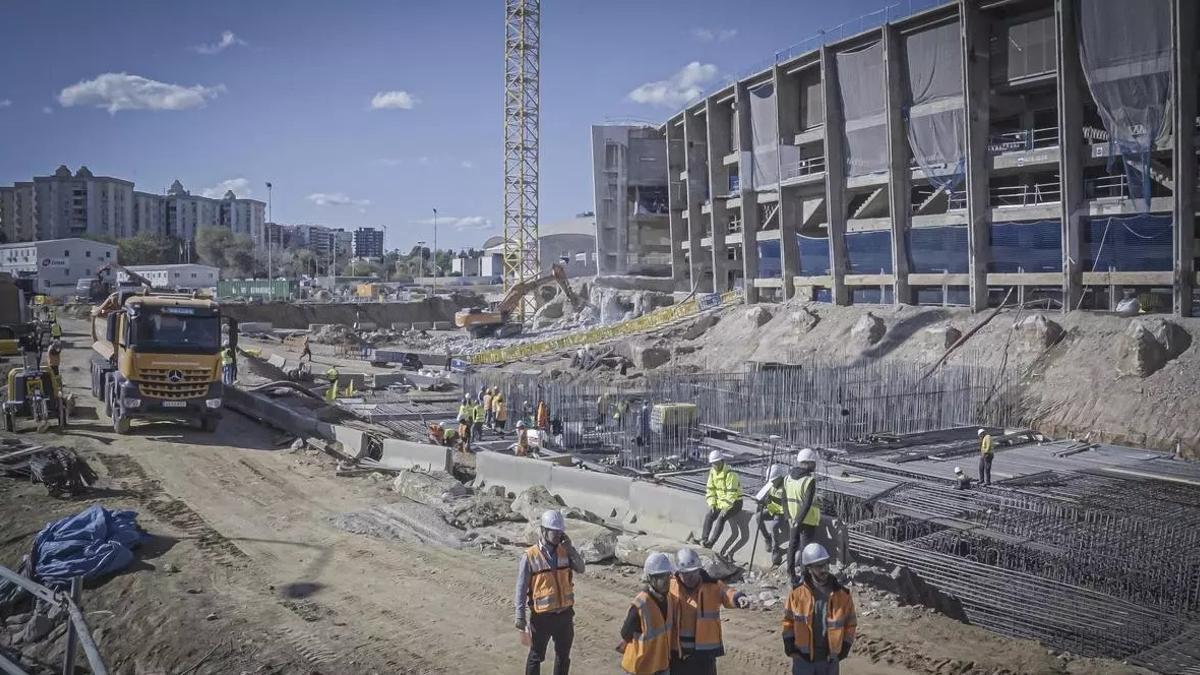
x=394, y=100
x=335, y=199
x=467, y=164
x=678, y=89
x=240, y=187
x=228, y=39
x=390, y=161
x=458, y=223
x=714, y=34
x=47, y=110
x=5, y=103
x=121, y=91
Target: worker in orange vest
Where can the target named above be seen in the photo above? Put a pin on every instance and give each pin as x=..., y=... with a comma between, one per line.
x=819, y=623
x=546, y=589
x=698, y=599
x=521, y=449
x=543, y=416
x=646, y=635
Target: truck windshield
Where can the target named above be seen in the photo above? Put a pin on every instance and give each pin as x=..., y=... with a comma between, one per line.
x=176, y=333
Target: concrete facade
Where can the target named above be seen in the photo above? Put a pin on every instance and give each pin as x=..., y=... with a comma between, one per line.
x=829, y=198
x=56, y=264
x=633, y=235
x=368, y=242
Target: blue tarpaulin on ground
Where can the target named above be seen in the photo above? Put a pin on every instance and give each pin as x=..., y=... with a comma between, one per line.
x=90, y=544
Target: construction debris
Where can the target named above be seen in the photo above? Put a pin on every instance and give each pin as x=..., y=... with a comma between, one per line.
x=60, y=469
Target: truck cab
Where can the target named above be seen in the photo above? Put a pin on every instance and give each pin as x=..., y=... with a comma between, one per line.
x=158, y=356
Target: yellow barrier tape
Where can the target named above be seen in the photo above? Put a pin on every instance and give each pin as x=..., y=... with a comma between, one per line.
x=641, y=324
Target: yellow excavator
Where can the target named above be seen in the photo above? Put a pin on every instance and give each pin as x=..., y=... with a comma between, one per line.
x=496, y=321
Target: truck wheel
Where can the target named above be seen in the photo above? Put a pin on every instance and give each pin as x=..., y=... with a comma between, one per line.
x=121, y=423
x=109, y=391
x=10, y=422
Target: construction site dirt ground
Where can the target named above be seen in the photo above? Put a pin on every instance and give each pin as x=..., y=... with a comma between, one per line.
x=246, y=573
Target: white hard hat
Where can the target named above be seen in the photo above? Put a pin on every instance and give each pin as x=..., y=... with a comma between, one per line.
x=553, y=520
x=814, y=553
x=958, y=469
x=520, y=424
x=466, y=397
x=777, y=471
x=658, y=563
x=806, y=455
x=689, y=560
x=980, y=433
x=716, y=456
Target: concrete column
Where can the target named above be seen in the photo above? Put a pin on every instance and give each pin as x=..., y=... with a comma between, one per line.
x=1070, y=140
x=835, y=176
x=900, y=173
x=1184, y=155
x=787, y=108
x=696, y=142
x=677, y=201
x=975, y=53
x=750, y=222
x=719, y=145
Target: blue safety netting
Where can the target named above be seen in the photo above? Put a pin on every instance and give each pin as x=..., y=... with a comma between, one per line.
x=823, y=295
x=770, y=260
x=814, y=255
x=932, y=295
x=1141, y=243
x=1026, y=246
x=933, y=250
x=869, y=252
x=872, y=296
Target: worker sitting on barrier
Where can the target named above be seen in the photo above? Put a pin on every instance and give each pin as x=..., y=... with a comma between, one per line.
x=772, y=522
x=723, y=493
x=819, y=623
x=803, y=514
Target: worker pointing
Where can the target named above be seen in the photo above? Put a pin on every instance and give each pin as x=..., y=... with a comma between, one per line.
x=546, y=587
x=697, y=600
x=803, y=514
x=723, y=493
x=819, y=623
x=649, y=629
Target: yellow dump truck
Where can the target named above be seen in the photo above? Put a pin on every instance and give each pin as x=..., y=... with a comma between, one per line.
x=157, y=356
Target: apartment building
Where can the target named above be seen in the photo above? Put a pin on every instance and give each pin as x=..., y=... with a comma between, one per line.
x=955, y=152
x=368, y=242
x=633, y=233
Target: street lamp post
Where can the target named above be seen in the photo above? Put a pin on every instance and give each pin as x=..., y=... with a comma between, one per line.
x=420, y=258
x=270, y=265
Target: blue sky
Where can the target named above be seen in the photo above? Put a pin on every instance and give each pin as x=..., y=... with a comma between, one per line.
x=234, y=94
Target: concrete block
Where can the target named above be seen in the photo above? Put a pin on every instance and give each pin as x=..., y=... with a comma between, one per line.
x=443, y=325
x=600, y=493
x=278, y=361
x=405, y=454
x=666, y=511
x=385, y=380
x=314, y=327
x=368, y=325
x=514, y=473
x=401, y=326
x=354, y=441
x=422, y=325
x=255, y=327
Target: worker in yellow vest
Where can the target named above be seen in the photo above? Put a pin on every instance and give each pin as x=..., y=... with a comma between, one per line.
x=697, y=600
x=819, y=623
x=546, y=590
x=331, y=374
x=477, y=417
x=466, y=418
x=228, y=365
x=986, y=455
x=771, y=520
x=646, y=635
x=55, y=329
x=723, y=493
x=803, y=514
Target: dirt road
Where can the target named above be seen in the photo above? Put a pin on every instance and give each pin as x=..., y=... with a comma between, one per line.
x=247, y=573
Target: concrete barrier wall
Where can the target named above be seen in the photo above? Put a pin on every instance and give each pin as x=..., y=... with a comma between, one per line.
x=354, y=441
x=514, y=473
x=406, y=453
x=600, y=493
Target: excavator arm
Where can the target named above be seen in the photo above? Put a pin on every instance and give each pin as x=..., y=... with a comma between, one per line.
x=514, y=295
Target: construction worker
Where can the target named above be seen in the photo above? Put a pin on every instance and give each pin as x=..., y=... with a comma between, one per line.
x=466, y=417
x=818, y=617
x=698, y=599
x=332, y=375
x=985, y=457
x=526, y=413
x=724, y=496
x=54, y=357
x=477, y=417
x=601, y=410
x=501, y=413
x=646, y=635
x=771, y=519
x=546, y=586
x=55, y=329
x=521, y=448
x=228, y=365
x=962, y=480
x=306, y=351
x=488, y=413
x=543, y=416
x=803, y=514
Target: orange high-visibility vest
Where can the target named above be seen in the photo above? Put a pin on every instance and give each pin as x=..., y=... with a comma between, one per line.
x=840, y=620
x=551, y=588
x=698, y=614
x=650, y=651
